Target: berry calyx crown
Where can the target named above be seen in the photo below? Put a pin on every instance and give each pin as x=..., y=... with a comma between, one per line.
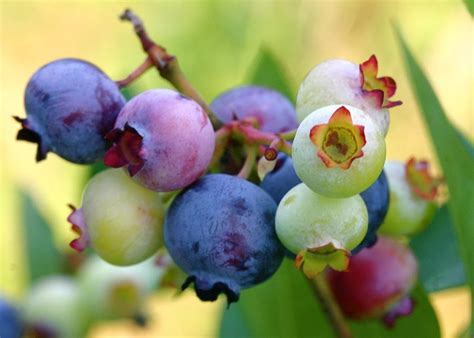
x=422, y=183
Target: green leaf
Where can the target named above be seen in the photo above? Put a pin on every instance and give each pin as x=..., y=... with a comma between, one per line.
x=43, y=258
x=439, y=259
x=470, y=6
x=455, y=160
x=268, y=72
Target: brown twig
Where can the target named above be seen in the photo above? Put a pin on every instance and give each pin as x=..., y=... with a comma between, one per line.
x=321, y=289
x=166, y=64
x=147, y=64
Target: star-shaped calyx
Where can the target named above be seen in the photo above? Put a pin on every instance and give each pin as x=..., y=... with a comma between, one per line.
x=377, y=89
x=339, y=141
x=422, y=183
x=126, y=150
x=314, y=260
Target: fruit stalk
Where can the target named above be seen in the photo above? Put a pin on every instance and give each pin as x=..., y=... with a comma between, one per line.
x=166, y=64
x=331, y=308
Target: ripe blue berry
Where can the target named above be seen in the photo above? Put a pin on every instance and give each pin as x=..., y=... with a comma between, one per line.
x=281, y=179
x=70, y=104
x=273, y=111
x=165, y=140
x=10, y=325
x=376, y=199
x=221, y=232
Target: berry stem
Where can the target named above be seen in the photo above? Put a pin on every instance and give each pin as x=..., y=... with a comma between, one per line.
x=147, y=64
x=249, y=162
x=321, y=289
x=166, y=64
x=288, y=135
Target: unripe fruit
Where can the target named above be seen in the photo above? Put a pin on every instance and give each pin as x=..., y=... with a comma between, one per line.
x=53, y=308
x=410, y=210
x=10, y=324
x=110, y=292
x=320, y=230
x=164, y=138
x=71, y=105
x=377, y=282
x=376, y=199
x=338, y=152
x=120, y=219
x=273, y=111
x=345, y=83
x=220, y=231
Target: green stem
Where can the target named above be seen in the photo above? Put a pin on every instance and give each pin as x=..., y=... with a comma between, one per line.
x=249, y=161
x=321, y=289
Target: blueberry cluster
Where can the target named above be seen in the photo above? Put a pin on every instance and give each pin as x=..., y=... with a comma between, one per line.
x=323, y=196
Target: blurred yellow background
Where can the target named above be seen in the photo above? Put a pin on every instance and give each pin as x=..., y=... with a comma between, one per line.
x=216, y=42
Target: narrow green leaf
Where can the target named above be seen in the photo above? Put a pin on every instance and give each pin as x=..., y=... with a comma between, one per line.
x=470, y=6
x=268, y=72
x=455, y=160
x=43, y=258
x=439, y=260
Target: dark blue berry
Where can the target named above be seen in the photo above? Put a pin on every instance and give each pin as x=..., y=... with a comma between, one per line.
x=221, y=232
x=279, y=181
x=70, y=104
x=10, y=325
x=376, y=198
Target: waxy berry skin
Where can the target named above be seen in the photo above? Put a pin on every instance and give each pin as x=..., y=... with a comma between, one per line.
x=376, y=199
x=10, y=324
x=164, y=138
x=344, y=82
x=378, y=278
x=221, y=232
x=281, y=179
x=273, y=111
x=71, y=105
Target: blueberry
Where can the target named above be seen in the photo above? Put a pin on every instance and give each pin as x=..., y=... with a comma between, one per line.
x=221, y=232
x=70, y=104
x=376, y=199
x=274, y=112
x=10, y=325
x=279, y=181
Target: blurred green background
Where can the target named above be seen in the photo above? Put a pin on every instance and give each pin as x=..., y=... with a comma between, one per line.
x=217, y=43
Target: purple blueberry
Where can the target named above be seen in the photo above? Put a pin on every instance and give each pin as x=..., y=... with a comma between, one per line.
x=10, y=325
x=221, y=232
x=70, y=104
x=274, y=112
x=376, y=198
x=163, y=138
x=279, y=181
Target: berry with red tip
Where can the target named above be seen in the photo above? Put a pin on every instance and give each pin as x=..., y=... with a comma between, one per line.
x=377, y=283
x=165, y=140
x=343, y=82
x=220, y=231
x=413, y=192
x=71, y=105
x=120, y=219
x=338, y=152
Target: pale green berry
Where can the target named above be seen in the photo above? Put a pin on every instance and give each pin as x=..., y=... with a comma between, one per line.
x=54, y=304
x=120, y=219
x=346, y=168
x=408, y=213
x=110, y=291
